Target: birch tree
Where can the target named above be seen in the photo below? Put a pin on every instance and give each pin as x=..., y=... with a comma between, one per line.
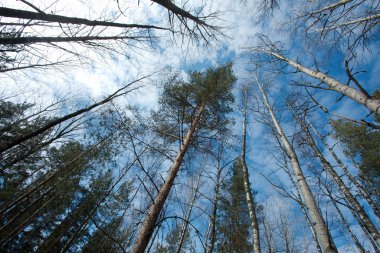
x=370, y=226
x=268, y=48
x=321, y=229
x=247, y=184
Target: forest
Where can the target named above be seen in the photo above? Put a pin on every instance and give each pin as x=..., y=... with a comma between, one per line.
x=190, y=126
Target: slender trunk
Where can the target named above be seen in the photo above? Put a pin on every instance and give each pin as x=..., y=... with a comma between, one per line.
x=48, y=177
x=345, y=169
x=187, y=218
x=55, y=122
x=346, y=225
x=371, y=103
x=149, y=223
x=247, y=188
x=303, y=208
x=319, y=224
x=371, y=240
x=330, y=7
x=214, y=209
x=24, y=223
x=342, y=186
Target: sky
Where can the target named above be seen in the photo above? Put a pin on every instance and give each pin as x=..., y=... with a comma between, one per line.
x=102, y=73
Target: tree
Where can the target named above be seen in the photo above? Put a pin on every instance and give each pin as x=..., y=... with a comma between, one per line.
x=361, y=145
x=209, y=96
x=270, y=49
x=337, y=179
x=310, y=203
x=247, y=185
x=48, y=204
x=26, y=32
x=233, y=220
x=28, y=133
x=172, y=239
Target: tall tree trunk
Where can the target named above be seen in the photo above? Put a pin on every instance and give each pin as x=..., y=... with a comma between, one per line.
x=361, y=224
x=342, y=186
x=247, y=185
x=345, y=223
x=371, y=103
x=302, y=206
x=345, y=169
x=212, y=222
x=187, y=218
x=149, y=223
x=313, y=210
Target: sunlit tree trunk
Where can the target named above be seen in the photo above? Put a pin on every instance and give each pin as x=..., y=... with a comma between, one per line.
x=342, y=186
x=149, y=223
x=345, y=223
x=247, y=185
x=345, y=169
x=320, y=227
x=371, y=103
x=302, y=206
x=212, y=222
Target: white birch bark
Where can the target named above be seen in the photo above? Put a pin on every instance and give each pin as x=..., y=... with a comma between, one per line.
x=345, y=169
x=321, y=230
x=303, y=208
x=371, y=103
x=346, y=225
x=342, y=186
x=212, y=223
x=247, y=188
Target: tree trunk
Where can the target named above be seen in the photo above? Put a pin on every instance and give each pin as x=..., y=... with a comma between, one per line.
x=247, y=185
x=34, y=39
x=342, y=186
x=302, y=206
x=214, y=209
x=187, y=218
x=345, y=169
x=371, y=103
x=346, y=225
x=149, y=223
x=319, y=224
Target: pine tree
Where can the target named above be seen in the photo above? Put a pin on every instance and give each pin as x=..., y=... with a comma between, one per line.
x=208, y=96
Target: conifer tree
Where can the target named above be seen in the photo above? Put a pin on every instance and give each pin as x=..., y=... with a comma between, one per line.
x=233, y=221
x=207, y=96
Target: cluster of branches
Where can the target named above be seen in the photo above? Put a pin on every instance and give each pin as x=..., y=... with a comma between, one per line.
x=28, y=39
